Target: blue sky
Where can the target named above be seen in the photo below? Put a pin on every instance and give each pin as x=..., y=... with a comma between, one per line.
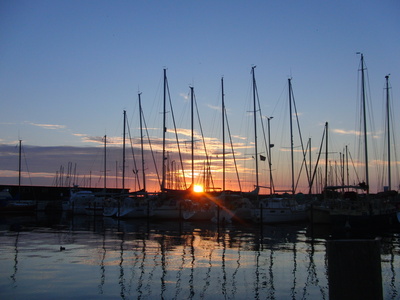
x=69, y=68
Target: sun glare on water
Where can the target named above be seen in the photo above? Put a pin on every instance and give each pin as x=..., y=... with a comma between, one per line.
x=198, y=188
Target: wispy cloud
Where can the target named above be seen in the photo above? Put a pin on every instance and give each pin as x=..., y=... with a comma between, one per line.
x=375, y=135
x=91, y=139
x=346, y=132
x=184, y=96
x=214, y=107
x=48, y=126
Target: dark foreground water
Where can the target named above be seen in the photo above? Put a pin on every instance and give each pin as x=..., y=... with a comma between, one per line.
x=87, y=258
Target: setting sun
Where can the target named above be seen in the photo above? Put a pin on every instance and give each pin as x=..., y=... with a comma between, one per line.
x=198, y=188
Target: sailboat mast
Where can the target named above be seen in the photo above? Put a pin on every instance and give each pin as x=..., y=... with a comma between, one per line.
x=223, y=134
x=326, y=154
x=291, y=132
x=192, y=132
x=141, y=140
x=388, y=131
x=309, y=157
x=271, y=182
x=365, y=122
x=19, y=164
x=255, y=124
x=123, y=154
x=347, y=165
x=105, y=164
x=164, y=131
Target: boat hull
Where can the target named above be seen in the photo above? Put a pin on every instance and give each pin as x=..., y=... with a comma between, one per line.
x=198, y=215
x=271, y=216
x=17, y=206
x=319, y=215
x=167, y=212
x=363, y=221
x=136, y=212
x=110, y=211
x=280, y=210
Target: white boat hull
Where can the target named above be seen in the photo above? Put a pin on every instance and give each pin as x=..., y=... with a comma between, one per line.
x=279, y=210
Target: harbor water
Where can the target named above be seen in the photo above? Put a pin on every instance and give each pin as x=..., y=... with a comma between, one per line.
x=86, y=257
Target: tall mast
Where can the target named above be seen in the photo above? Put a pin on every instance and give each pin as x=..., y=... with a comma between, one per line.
x=291, y=132
x=326, y=154
x=19, y=163
x=105, y=165
x=223, y=134
x=255, y=124
x=388, y=130
x=192, y=132
x=347, y=166
x=19, y=168
x=271, y=183
x=123, y=154
x=309, y=158
x=365, y=122
x=164, y=131
x=141, y=141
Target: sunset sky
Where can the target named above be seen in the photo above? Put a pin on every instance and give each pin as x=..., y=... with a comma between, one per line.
x=68, y=70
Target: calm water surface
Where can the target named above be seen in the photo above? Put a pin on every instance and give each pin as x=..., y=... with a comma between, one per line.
x=101, y=258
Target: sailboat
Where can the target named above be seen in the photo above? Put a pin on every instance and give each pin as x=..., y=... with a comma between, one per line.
x=363, y=211
x=319, y=212
x=167, y=205
x=284, y=208
x=128, y=206
x=231, y=205
x=96, y=206
x=138, y=204
x=8, y=204
x=223, y=207
x=196, y=206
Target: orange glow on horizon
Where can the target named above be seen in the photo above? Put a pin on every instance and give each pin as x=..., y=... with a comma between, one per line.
x=198, y=188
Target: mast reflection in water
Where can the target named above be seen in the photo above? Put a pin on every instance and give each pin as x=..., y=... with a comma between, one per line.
x=102, y=258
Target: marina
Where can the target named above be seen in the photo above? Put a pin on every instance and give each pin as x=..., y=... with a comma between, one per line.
x=64, y=257
x=199, y=150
